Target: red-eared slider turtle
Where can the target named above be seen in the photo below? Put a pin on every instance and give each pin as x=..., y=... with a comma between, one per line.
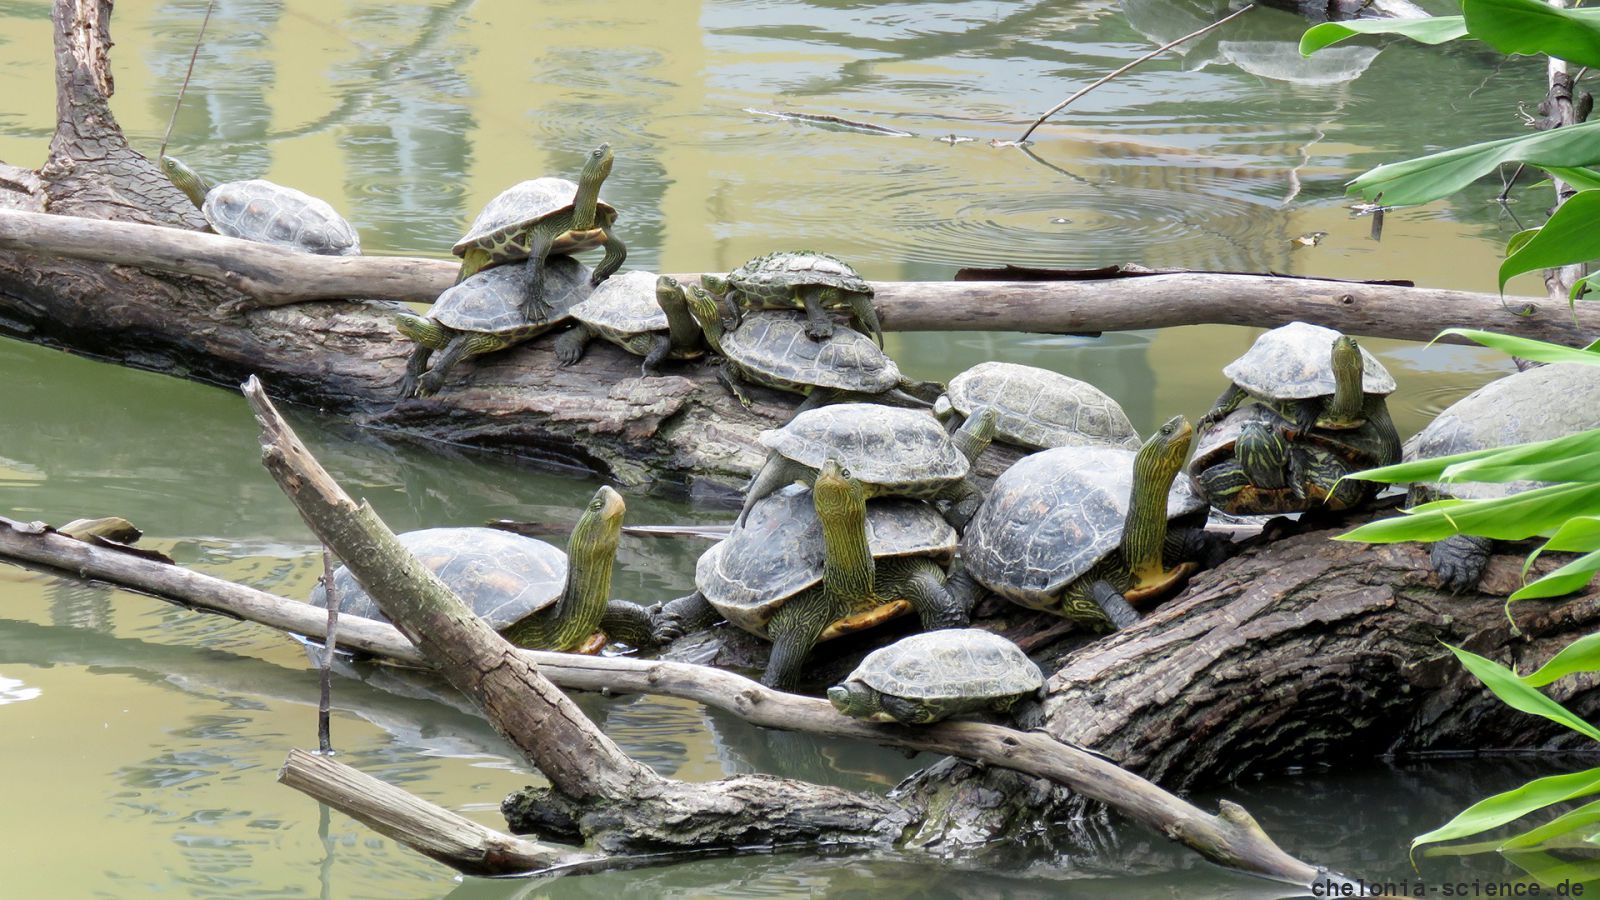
x=543, y=217
x=643, y=314
x=532, y=593
x=927, y=677
x=1314, y=376
x=1540, y=404
x=1037, y=408
x=800, y=279
x=1084, y=531
x=772, y=349
x=893, y=453
x=484, y=314
x=811, y=565
x=259, y=210
x=1248, y=463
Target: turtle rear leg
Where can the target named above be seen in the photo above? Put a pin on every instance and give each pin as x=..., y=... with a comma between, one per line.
x=964, y=589
x=1104, y=595
x=570, y=346
x=733, y=382
x=775, y=473
x=616, y=252
x=1460, y=560
x=795, y=629
x=907, y=712
x=865, y=315
x=922, y=582
x=1227, y=403
x=629, y=623
x=818, y=326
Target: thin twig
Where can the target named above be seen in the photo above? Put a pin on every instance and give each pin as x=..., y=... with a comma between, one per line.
x=1151, y=55
x=182, y=89
x=329, y=640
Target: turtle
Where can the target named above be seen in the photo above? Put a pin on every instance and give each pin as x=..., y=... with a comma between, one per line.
x=772, y=349
x=812, y=565
x=535, y=219
x=260, y=210
x=1083, y=531
x=1254, y=461
x=800, y=279
x=484, y=314
x=926, y=677
x=1314, y=376
x=642, y=313
x=1511, y=410
x=891, y=451
x=532, y=593
x=1036, y=408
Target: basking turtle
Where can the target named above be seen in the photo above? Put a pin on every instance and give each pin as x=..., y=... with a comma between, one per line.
x=1037, y=408
x=800, y=279
x=1539, y=404
x=259, y=210
x=639, y=312
x=772, y=349
x=1314, y=376
x=1255, y=461
x=1084, y=531
x=893, y=453
x=484, y=314
x=532, y=593
x=543, y=217
x=811, y=565
x=927, y=677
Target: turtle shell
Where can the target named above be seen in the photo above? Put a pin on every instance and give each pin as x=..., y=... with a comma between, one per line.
x=774, y=347
x=1294, y=362
x=523, y=204
x=777, y=553
x=1052, y=516
x=1512, y=410
x=1039, y=409
x=624, y=304
x=504, y=577
x=770, y=279
x=891, y=448
x=259, y=210
x=491, y=300
x=952, y=664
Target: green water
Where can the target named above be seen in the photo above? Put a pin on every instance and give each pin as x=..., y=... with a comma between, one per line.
x=142, y=741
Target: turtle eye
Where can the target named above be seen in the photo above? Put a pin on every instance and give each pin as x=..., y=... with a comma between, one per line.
x=596, y=505
x=844, y=473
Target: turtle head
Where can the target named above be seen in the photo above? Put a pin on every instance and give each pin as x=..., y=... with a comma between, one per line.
x=1343, y=410
x=852, y=698
x=597, y=166
x=976, y=433
x=717, y=284
x=1144, y=529
x=600, y=526
x=669, y=295
x=838, y=494
x=595, y=169
x=186, y=179
x=704, y=308
x=1162, y=456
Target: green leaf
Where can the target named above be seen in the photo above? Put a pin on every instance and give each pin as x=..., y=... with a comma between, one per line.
x=1513, y=518
x=1578, y=179
x=1572, y=457
x=1570, y=236
x=1492, y=812
x=1442, y=174
x=1570, y=577
x=1580, y=288
x=1553, y=871
x=1509, y=688
x=1582, y=655
x=1430, y=469
x=1582, y=817
x=1527, y=348
x=1531, y=27
x=1518, y=241
x=1435, y=30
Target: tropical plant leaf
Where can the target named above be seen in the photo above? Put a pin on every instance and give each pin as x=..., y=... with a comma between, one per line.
x=1577, y=179
x=1435, y=30
x=1553, y=871
x=1570, y=236
x=1529, y=27
x=1579, y=288
x=1492, y=812
x=1582, y=655
x=1570, y=577
x=1572, y=457
x=1528, y=348
x=1582, y=817
x=1513, y=518
x=1442, y=174
x=1518, y=241
x=1430, y=469
x=1512, y=692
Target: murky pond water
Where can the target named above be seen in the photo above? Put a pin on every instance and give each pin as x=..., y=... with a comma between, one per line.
x=140, y=742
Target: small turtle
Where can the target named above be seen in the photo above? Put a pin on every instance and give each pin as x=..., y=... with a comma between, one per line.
x=639, y=312
x=544, y=217
x=1539, y=404
x=800, y=279
x=484, y=314
x=772, y=349
x=927, y=677
x=812, y=565
x=259, y=210
x=1037, y=408
x=893, y=452
x=1255, y=461
x=1314, y=376
x=532, y=593
x=1084, y=531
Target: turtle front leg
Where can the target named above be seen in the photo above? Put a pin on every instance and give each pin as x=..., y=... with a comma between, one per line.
x=1227, y=403
x=459, y=348
x=660, y=349
x=616, y=252
x=795, y=629
x=682, y=616
x=415, y=367
x=964, y=589
x=1102, y=595
x=629, y=623
x=921, y=581
x=731, y=380
x=961, y=503
x=534, y=306
x=570, y=346
x=818, y=326
x=1460, y=560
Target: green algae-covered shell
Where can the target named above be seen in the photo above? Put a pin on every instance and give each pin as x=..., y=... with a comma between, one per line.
x=1052, y=516
x=777, y=553
x=901, y=451
x=491, y=300
x=258, y=210
x=773, y=347
x=966, y=664
x=504, y=577
x=1294, y=362
x=520, y=206
x=1040, y=409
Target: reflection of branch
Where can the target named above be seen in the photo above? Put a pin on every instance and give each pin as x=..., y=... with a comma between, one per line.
x=1053, y=167
x=1151, y=55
